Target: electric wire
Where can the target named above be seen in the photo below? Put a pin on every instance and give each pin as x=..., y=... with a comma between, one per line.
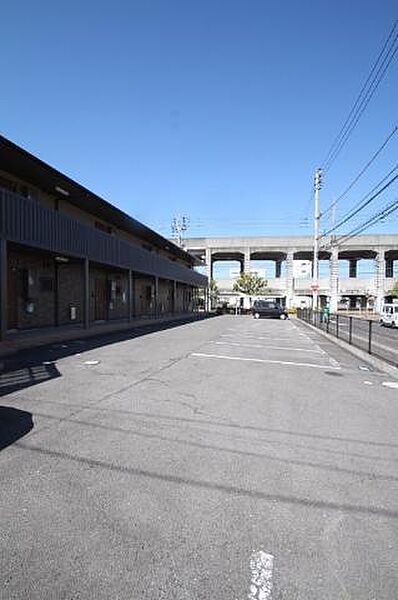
x=362, y=171
x=385, y=212
x=366, y=200
x=368, y=89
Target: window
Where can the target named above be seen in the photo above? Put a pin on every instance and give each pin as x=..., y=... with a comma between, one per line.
x=264, y=304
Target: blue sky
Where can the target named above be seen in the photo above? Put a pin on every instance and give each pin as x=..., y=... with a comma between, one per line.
x=220, y=110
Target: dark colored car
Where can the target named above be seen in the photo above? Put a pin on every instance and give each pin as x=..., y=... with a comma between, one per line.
x=268, y=308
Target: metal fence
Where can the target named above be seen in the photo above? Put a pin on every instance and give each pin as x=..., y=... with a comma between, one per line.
x=366, y=334
x=25, y=221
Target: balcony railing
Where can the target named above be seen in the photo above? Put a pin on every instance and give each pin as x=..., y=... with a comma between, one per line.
x=27, y=222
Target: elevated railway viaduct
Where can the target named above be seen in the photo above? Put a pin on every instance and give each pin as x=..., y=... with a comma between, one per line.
x=381, y=250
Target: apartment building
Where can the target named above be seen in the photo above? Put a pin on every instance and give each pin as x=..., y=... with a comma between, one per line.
x=70, y=259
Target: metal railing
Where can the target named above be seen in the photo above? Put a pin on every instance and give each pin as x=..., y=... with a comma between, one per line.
x=366, y=334
x=26, y=221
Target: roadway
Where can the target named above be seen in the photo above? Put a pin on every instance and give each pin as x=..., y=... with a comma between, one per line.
x=225, y=459
x=384, y=339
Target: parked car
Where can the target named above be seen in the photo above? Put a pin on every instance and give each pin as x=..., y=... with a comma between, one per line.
x=389, y=315
x=268, y=308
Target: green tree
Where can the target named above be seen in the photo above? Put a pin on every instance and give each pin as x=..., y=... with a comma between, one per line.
x=394, y=291
x=250, y=284
x=214, y=292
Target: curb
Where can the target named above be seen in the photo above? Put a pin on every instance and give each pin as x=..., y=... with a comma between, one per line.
x=378, y=363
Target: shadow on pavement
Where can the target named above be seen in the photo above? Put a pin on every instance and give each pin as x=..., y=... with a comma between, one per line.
x=14, y=424
x=29, y=367
x=21, y=378
x=364, y=509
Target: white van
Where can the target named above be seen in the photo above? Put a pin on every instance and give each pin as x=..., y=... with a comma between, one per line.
x=389, y=315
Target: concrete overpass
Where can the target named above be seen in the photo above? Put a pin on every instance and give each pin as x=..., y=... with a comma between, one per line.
x=284, y=251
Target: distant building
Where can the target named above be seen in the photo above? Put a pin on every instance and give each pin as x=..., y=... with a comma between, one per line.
x=302, y=268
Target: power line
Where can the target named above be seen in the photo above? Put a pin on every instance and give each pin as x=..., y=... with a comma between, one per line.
x=211, y=222
x=359, y=203
x=368, y=89
x=388, y=210
x=362, y=171
x=366, y=200
x=363, y=98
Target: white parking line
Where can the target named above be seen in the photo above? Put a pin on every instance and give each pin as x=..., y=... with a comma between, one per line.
x=268, y=347
x=261, y=566
x=264, y=360
x=255, y=337
x=390, y=384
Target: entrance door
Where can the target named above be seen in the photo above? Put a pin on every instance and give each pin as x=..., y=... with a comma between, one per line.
x=12, y=298
x=100, y=312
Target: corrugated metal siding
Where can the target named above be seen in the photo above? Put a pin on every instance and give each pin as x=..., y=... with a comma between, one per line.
x=26, y=222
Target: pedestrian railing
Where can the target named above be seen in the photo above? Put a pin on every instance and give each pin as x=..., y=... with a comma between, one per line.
x=366, y=334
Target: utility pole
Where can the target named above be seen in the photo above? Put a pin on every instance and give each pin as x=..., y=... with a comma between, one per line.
x=317, y=219
x=333, y=219
x=178, y=225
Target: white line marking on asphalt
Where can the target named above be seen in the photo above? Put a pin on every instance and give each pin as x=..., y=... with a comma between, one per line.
x=390, y=384
x=91, y=362
x=333, y=361
x=255, y=337
x=368, y=383
x=261, y=566
x=264, y=360
x=270, y=347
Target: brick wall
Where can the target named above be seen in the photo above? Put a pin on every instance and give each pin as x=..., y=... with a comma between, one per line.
x=34, y=277
x=118, y=290
x=184, y=300
x=108, y=294
x=144, y=296
x=70, y=293
x=165, y=300
x=31, y=281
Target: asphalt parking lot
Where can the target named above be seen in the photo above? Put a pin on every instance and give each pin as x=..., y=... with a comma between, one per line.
x=227, y=459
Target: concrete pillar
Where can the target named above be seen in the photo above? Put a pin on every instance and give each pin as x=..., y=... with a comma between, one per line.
x=389, y=267
x=3, y=288
x=131, y=295
x=174, y=296
x=278, y=269
x=56, y=293
x=246, y=264
x=352, y=268
x=379, y=279
x=86, y=289
x=334, y=279
x=289, y=279
x=209, y=264
x=156, y=308
x=193, y=295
